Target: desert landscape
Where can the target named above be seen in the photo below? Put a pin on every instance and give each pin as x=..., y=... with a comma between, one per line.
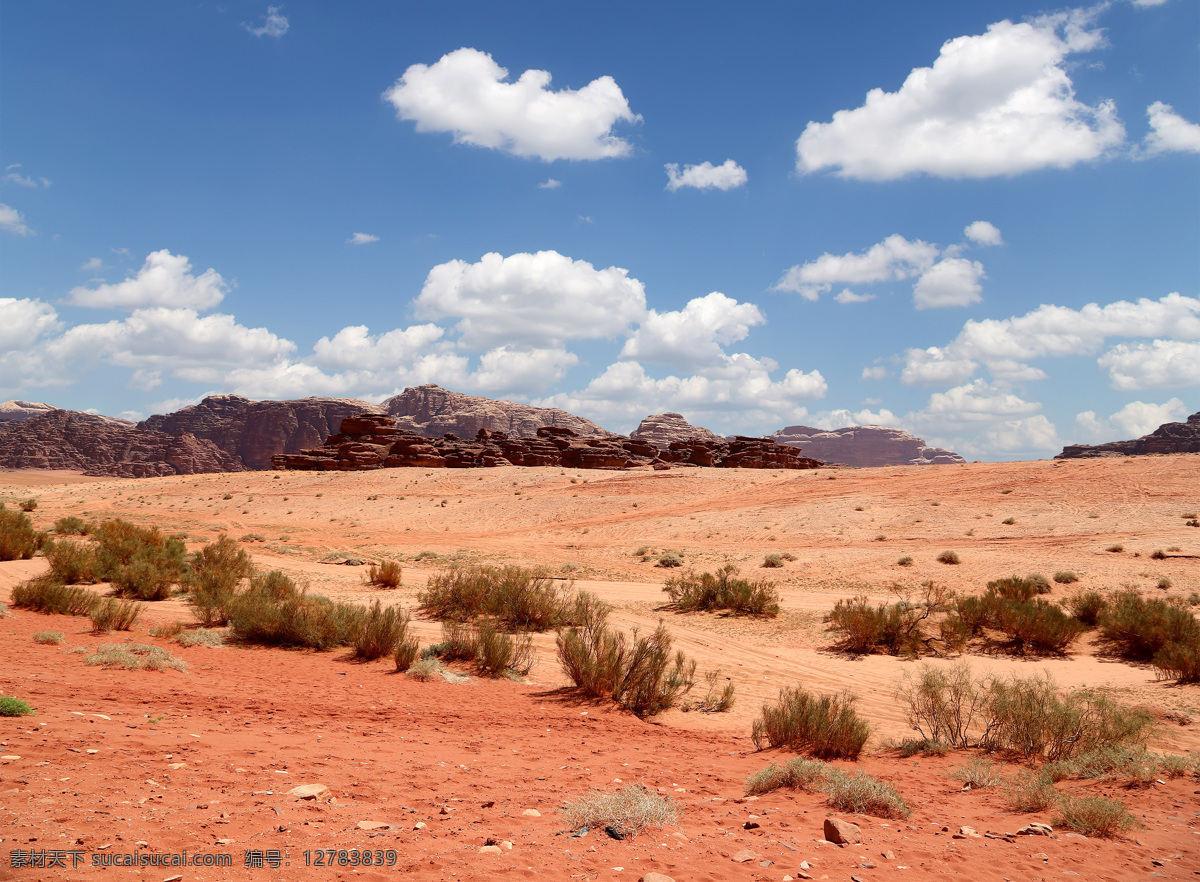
x=468, y=779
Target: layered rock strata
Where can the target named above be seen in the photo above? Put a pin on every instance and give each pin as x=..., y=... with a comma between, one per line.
x=661, y=429
x=865, y=446
x=434, y=412
x=371, y=441
x=1167, y=438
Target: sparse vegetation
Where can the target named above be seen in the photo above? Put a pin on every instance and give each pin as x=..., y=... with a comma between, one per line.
x=977, y=773
x=1009, y=606
x=670, y=559
x=134, y=657
x=693, y=592
x=718, y=699
x=70, y=526
x=1095, y=815
x=1009, y=521
x=857, y=792
x=139, y=561
x=1087, y=607
x=52, y=638
x=28, y=505
x=498, y=653
x=1065, y=577
x=423, y=669
x=114, y=614
x=45, y=595
x=385, y=574
x=896, y=628
x=1115, y=549
x=200, y=637
x=949, y=557
x=905, y=561
x=381, y=632
x=18, y=539
x=14, y=707
x=1029, y=792
x=628, y=811
x=1154, y=630
x=516, y=598
x=773, y=561
x=823, y=726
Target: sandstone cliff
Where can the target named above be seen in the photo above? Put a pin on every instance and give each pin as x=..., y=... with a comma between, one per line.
x=432, y=411
x=865, y=446
x=1167, y=438
x=97, y=445
x=254, y=431
x=661, y=429
x=17, y=411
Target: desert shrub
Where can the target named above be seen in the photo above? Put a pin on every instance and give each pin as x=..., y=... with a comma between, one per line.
x=1164, y=583
x=1041, y=585
x=944, y=705
x=1115, y=549
x=628, y=811
x=138, y=561
x=13, y=707
x=797, y=774
x=1009, y=521
x=223, y=561
x=168, y=632
x=1013, y=588
x=381, y=632
x=1095, y=815
x=1156, y=631
x=405, y=655
x=385, y=575
x=52, y=638
x=1009, y=605
x=297, y=619
x=71, y=562
x=114, y=614
x=517, y=598
x=46, y=595
x=1065, y=577
x=924, y=746
x=638, y=673
x=773, y=561
x=134, y=657
x=71, y=526
x=862, y=794
x=18, y=539
x=458, y=642
x=3, y=610
x=28, y=504
x=1133, y=763
x=1029, y=792
x=1158, y=554
x=497, y=652
x=200, y=637
x=1087, y=607
x=718, y=699
x=896, y=628
x=722, y=590
x=824, y=726
x=670, y=559
x=905, y=561
x=977, y=772
x=424, y=669
x=949, y=557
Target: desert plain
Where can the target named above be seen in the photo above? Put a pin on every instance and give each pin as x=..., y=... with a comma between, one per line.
x=140, y=762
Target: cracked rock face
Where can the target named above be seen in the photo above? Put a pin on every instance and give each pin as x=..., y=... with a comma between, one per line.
x=661, y=429
x=433, y=412
x=1167, y=438
x=865, y=446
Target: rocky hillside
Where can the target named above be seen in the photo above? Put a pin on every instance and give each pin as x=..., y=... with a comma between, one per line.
x=1167, y=438
x=97, y=445
x=254, y=431
x=865, y=446
x=432, y=411
x=661, y=429
x=17, y=411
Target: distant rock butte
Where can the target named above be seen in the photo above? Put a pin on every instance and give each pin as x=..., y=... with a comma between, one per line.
x=15, y=411
x=371, y=441
x=661, y=429
x=865, y=446
x=97, y=445
x=254, y=431
x=431, y=411
x=1167, y=438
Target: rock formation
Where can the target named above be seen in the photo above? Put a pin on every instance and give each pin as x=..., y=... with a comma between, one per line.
x=865, y=446
x=371, y=441
x=661, y=429
x=254, y=431
x=1167, y=438
x=97, y=445
x=432, y=412
x=17, y=411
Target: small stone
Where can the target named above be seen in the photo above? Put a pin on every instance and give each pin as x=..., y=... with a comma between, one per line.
x=842, y=832
x=656, y=877
x=1036, y=829
x=613, y=832
x=743, y=857
x=1041, y=856
x=800, y=874
x=420, y=825
x=531, y=813
x=177, y=765
x=174, y=878
x=93, y=750
x=506, y=845
x=490, y=849
x=750, y=825
x=889, y=856
x=318, y=792
x=855, y=879
x=805, y=865
x=9, y=757
x=765, y=864
x=373, y=825
x=964, y=832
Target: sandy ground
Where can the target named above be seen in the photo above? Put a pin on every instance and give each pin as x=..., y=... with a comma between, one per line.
x=466, y=760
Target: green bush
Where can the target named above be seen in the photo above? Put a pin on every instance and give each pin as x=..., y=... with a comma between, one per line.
x=944, y=705
x=382, y=631
x=773, y=561
x=497, y=652
x=28, y=504
x=1009, y=605
x=46, y=595
x=722, y=590
x=200, y=637
x=18, y=539
x=385, y=575
x=1029, y=792
x=518, y=599
x=896, y=628
x=134, y=657
x=949, y=557
x=1096, y=815
x=718, y=699
x=905, y=561
x=824, y=726
x=977, y=773
x=114, y=614
x=1065, y=577
x=405, y=654
x=670, y=559
x=13, y=707
x=1087, y=606
x=71, y=562
x=274, y=612
x=1156, y=631
x=71, y=526
x=138, y=561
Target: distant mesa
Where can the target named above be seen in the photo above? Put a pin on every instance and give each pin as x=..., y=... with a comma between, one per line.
x=431, y=411
x=661, y=429
x=865, y=446
x=17, y=411
x=1167, y=438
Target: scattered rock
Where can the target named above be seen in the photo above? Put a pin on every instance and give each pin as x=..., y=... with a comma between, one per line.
x=655, y=877
x=318, y=792
x=743, y=857
x=532, y=813
x=1167, y=438
x=420, y=825
x=1036, y=828
x=965, y=832
x=490, y=849
x=374, y=825
x=750, y=825
x=663, y=428
x=842, y=832
x=613, y=832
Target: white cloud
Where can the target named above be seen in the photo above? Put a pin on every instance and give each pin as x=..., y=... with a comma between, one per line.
x=12, y=221
x=950, y=282
x=94, y=265
x=1147, y=4
x=982, y=232
x=550, y=184
x=999, y=103
x=24, y=321
x=1169, y=132
x=692, y=336
x=848, y=296
x=508, y=368
x=465, y=93
x=979, y=399
x=842, y=418
x=893, y=258
x=165, y=279
x=878, y=372
x=706, y=176
x=935, y=367
x=1138, y=418
x=15, y=177
x=531, y=299
x=354, y=348
x=1155, y=365
x=274, y=24
x=362, y=239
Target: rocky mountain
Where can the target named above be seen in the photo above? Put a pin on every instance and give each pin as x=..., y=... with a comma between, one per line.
x=254, y=431
x=97, y=445
x=865, y=446
x=1167, y=438
x=661, y=429
x=432, y=411
x=16, y=411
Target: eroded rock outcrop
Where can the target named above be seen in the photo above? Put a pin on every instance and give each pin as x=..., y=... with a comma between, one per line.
x=97, y=445
x=19, y=411
x=254, y=431
x=865, y=446
x=1167, y=438
x=433, y=412
x=661, y=429
x=372, y=441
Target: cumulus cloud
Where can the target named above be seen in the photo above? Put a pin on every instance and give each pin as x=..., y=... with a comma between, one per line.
x=549, y=184
x=693, y=335
x=274, y=24
x=1156, y=365
x=842, y=418
x=998, y=103
x=893, y=258
x=165, y=279
x=355, y=347
x=706, y=176
x=848, y=296
x=508, y=368
x=465, y=93
x=1169, y=132
x=950, y=282
x=876, y=372
x=12, y=176
x=11, y=221
x=1139, y=418
x=982, y=232
x=24, y=321
x=537, y=299
x=362, y=239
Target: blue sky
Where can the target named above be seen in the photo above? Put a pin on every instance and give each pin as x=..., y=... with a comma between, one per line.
x=978, y=222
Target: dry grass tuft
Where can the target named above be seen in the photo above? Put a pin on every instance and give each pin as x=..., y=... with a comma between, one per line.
x=824, y=726
x=628, y=811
